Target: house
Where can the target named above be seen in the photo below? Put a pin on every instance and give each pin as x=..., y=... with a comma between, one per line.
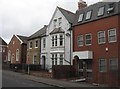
x=34, y=46
x=96, y=45
x=3, y=50
x=57, y=44
x=17, y=48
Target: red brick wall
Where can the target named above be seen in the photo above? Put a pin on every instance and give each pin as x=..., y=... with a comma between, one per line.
x=98, y=50
x=13, y=47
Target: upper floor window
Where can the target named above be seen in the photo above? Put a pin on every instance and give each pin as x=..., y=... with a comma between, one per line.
x=61, y=40
x=112, y=35
x=44, y=42
x=55, y=23
x=17, y=55
x=113, y=64
x=60, y=21
x=101, y=11
x=88, y=15
x=52, y=41
x=30, y=45
x=56, y=59
x=111, y=8
x=36, y=44
x=80, y=18
x=102, y=65
x=88, y=39
x=56, y=40
x=61, y=59
x=101, y=37
x=80, y=40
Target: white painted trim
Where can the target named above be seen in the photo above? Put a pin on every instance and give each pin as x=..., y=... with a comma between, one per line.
x=19, y=39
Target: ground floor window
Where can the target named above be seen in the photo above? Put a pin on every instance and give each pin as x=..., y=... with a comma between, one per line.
x=34, y=59
x=113, y=64
x=102, y=65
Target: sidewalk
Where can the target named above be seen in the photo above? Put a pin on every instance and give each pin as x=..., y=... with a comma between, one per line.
x=52, y=82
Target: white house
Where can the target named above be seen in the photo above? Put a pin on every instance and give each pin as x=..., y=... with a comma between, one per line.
x=56, y=45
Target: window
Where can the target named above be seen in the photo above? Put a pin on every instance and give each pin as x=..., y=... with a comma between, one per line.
x=17, y=55
x=44, y=42
x=80, y=40
x=13, y=58
x=0, y=49
x=102, y=65
x=101, y=11
x=55, y=59
x=88, y=39
x=101, y=37
x=52, y=59
x=111, y=8
x=61, y=40
x=52, y=41
x=34, y=59
x=55, y=23
x=61, y=59
x=80, y=18
x=30, y=45
x=56, y=40
x=9, y=55
x=60, y=21
x=36, y=44
x=113, y=64
x=112, y=35
x=88, y=15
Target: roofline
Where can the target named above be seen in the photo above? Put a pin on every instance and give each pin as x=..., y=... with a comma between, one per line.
x=19, y=39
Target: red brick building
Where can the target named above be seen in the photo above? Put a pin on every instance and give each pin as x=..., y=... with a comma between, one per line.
x=17, y=49
x=3, y=50
x=96, y=37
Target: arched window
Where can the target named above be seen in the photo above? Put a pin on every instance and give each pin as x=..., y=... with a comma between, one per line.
x=17, y=55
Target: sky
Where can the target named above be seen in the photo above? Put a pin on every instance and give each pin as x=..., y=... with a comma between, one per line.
x=24, y=17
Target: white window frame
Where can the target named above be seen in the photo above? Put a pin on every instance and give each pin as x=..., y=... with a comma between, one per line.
x=112, y=35
x=90, y=39
x=101, y=11
x=101, y=37
x=17, y=55
x=88, y=15
x=78, y=40
x=105, y=66
x=61, y=39
x=52, y=41
x=61, y=59
x=80, y=19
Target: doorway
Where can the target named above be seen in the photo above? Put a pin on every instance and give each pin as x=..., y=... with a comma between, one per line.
x=43, y=62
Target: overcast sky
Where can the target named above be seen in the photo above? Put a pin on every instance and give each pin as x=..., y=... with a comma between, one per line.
x=24, y=17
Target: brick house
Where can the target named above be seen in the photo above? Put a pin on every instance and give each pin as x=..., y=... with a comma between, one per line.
x=17, y=48
x=96, y=43
x=3, y=50
x=34, y=46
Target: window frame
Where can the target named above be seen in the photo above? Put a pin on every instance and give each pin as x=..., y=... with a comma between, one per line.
x=90, y=39
x=104, y=66
x=102, y=8
x=17, y=54
x=101, y=37
x=44, y=43
x=36, y=43
x=30, y=45
x=112, y=35
x=111, y=65
x=61, y=40
x=79, y=41
x=88, y=15
x=59, y=21
x=61, y=59
x=80, y=19
x=55, y=23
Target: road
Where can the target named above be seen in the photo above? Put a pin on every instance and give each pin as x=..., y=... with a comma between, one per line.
x=13, y=79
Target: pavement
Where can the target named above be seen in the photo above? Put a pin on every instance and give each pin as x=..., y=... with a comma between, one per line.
x=50, y=81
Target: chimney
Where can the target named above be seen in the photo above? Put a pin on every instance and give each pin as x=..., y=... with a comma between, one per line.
x=81, y=4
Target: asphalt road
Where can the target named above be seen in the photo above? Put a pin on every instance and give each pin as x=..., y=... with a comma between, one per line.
x=13, y=79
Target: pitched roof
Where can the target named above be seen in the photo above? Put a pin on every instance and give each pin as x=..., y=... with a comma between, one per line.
x=57, y=30
x=39, y=33
x=22, y=38
x=95, y=8
x=2, y=42
x=68, y=15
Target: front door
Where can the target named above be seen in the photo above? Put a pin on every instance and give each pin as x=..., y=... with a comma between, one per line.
x=43, y=61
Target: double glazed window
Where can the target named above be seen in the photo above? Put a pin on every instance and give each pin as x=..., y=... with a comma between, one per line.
x=88, y=39
x=101, y=37
x=112, y=35
x=88, y=15
x=80, y=40
x=102, y=65
x=80, y=18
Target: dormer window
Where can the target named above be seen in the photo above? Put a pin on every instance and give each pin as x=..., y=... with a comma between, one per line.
x=111, y=8
x=80, y=18
x=88, y=15
x=101, y=11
